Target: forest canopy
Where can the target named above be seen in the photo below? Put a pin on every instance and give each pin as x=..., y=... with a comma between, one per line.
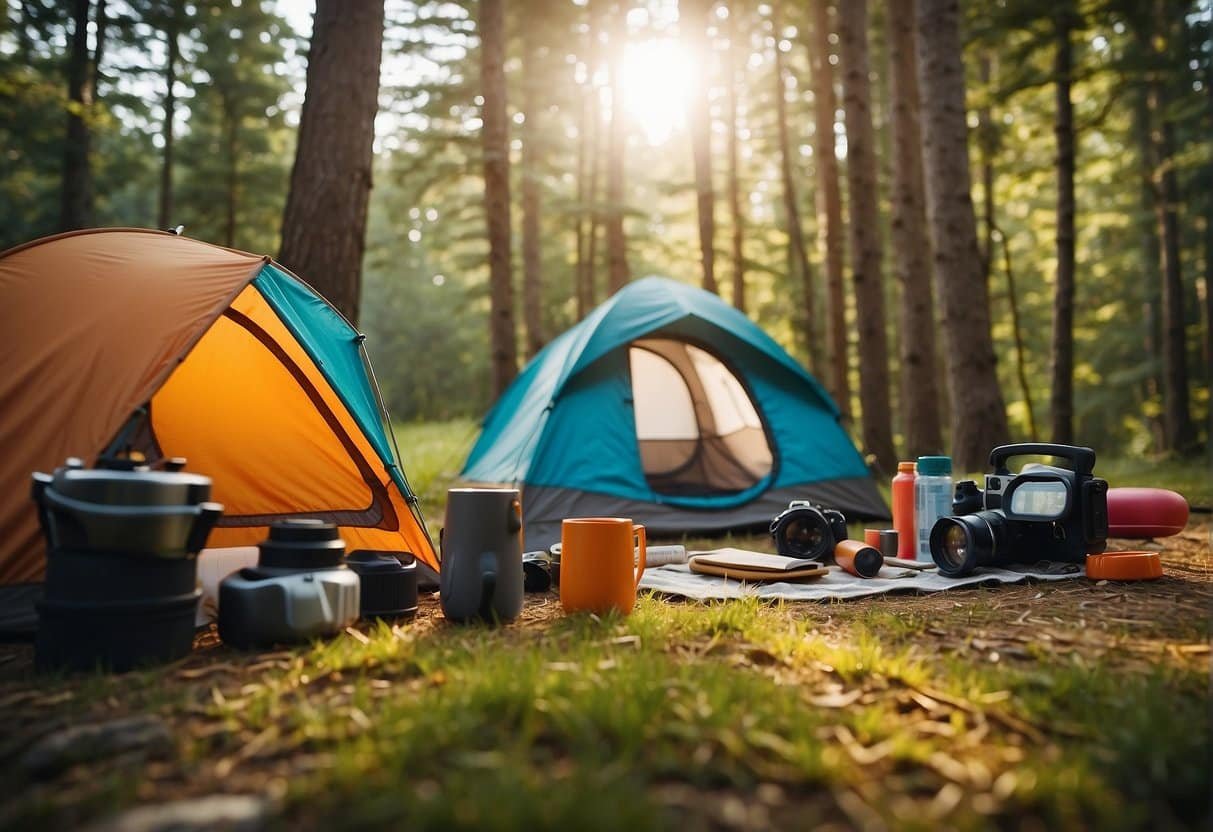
x=772, y=152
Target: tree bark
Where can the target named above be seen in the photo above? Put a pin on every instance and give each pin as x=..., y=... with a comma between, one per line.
x=979, y=418
x=495, y=138
x=1178, y=427
x=580, y=270
x=231, y=190
x=1151, y=282
x=324, y=224
x=618, y=272
x=987, y=141
x=920, y=388
x=829, y=208
x=694, y=17
x=172, y=29
x=864, y=235
x=83, y=69
x=1061, y=403
x=798, y=255
x=736, y=211
x=532, y=254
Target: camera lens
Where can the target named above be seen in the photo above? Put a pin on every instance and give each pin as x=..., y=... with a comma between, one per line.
x=803, y=536
x=961, y=544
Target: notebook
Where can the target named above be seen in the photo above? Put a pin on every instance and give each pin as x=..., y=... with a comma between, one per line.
x=742, y=565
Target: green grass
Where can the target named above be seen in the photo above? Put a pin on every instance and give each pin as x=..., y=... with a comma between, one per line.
x=685, y=716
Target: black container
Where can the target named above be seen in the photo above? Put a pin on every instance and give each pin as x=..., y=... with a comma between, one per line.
x=121, y=569
x=389, y=583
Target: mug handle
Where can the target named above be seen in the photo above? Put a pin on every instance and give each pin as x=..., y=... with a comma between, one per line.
x=642, y=544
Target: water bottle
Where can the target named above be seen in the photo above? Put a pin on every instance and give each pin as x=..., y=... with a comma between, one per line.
x=932, y=499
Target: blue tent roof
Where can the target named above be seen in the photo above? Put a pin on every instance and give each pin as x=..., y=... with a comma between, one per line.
x=567, y=420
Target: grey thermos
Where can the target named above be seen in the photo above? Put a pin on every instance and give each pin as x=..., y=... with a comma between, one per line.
x=482, y=554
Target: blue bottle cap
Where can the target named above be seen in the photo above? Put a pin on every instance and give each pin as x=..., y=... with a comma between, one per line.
x=934, y=466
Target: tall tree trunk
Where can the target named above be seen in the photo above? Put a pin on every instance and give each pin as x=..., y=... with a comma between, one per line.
x=495, y=137
x=736, y=211
x=864, y=235
x=979, y=417
x=1151, y=282
x=829, y=208
x=1061, y=402
x=694, y=17
x=1177, y=418
x=532, y=255
x=76, y=192
x=987, y=143
x=231, y=145
x=164, y=215
x=1208, y=342
x=798, y=255
x=324, y=224
x=618, y=272
x=581, y=271
x=920, y=388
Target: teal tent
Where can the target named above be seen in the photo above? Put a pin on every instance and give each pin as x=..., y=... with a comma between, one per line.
x=668, y=406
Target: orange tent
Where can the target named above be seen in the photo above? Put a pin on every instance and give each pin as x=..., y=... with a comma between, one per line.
x=252, y=376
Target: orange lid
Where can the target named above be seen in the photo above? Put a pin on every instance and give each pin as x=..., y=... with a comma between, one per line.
x=906, y=467
x=1124, y=566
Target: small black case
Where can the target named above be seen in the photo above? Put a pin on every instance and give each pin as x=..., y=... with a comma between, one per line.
x=389, y=582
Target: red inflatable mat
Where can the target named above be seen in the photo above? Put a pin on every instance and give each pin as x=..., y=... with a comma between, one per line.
x=1144, y=513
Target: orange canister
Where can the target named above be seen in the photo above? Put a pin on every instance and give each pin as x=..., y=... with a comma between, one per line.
x=903, y=510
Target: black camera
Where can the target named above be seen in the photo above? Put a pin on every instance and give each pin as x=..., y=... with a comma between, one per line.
x=1041, y=513
x=804, y=530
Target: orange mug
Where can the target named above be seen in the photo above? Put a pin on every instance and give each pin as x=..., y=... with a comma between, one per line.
x=598, y=567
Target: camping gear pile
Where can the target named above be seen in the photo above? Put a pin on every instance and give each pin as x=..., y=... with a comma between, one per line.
x=664, y=405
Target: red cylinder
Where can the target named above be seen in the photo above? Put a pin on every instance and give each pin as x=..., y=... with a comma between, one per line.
x=903, y=510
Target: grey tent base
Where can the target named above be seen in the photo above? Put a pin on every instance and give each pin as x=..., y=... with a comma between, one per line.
x=543, y=507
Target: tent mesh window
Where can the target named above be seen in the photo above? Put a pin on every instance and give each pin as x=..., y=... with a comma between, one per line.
x=698, y=429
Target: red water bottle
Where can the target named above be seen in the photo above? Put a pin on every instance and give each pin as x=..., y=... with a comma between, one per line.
x=903, y=510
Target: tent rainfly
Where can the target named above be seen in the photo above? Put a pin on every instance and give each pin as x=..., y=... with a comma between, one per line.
x=670, y=407
x=250, y=375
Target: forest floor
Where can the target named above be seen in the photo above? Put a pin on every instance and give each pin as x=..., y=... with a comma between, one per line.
x=1033, y=706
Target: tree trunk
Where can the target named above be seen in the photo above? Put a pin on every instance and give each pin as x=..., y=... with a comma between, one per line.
x=231, y=147
x=694, y=17
x=164, y=216
x=1178, y=427
x=618, y=272
x=987, y=142
x=864, y=235
x=324, y=224
x=581, y=271
x=1208, y=342
x=532, y=255
x=495, y=137
x=1151, y=282
x=736, y=211
x=1061, y=402
x=920, y=388
x=798, y=255
x=979, y=418
x=76, y=193
x=829, y=208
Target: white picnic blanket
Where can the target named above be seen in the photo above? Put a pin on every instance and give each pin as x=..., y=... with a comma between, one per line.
x=678, y=579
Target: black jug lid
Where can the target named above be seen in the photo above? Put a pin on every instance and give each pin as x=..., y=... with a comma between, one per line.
x=302, y=543
x=372, y=562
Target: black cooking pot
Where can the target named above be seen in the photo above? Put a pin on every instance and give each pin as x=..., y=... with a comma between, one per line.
x=121, y=569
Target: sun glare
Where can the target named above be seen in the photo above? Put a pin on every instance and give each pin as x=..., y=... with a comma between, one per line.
x=657, y=80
